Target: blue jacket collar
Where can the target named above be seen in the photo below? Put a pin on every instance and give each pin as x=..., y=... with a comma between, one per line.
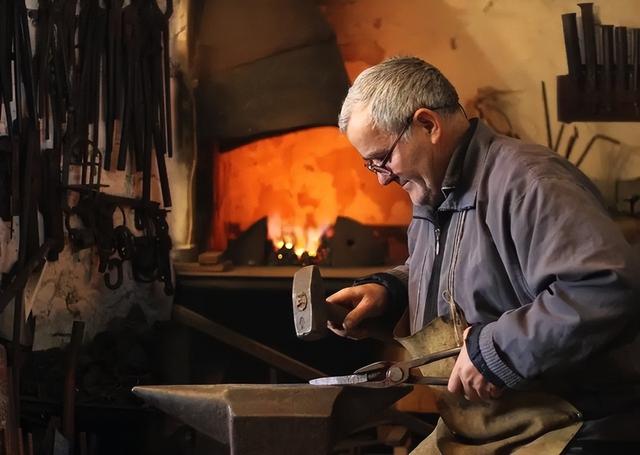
x=460, y=185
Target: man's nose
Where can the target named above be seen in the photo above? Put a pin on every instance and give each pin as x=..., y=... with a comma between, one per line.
x=384, y=179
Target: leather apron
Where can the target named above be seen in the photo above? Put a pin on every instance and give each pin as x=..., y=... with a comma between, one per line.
x=519, y=422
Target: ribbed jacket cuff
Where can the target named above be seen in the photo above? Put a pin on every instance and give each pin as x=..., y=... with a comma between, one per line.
x=400, y=273
x=472, y=344
x=492, y=359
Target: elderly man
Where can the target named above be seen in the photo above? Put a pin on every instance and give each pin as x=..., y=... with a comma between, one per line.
x=514, y=240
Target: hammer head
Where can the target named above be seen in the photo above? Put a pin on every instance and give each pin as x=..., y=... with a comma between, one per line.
x=309, y=308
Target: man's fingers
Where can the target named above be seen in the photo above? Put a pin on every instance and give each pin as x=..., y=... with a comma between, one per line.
x=482, y=389
x=339, y=305
x=455, y=384
x=346, y=296
x=353, y=334
x=484, y=393
x=470, y=392
x=355, y=317
x=359, y=303
x=495, y=392
x=466, y=380
x=343, y=316
x=338, y=330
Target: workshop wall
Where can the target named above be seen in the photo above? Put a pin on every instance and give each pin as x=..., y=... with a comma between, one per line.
x=72, y=288
x=508, y=45
x=302, y=181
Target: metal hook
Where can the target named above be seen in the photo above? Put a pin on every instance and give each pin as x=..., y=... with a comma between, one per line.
x=108, y=282
x=124, y=215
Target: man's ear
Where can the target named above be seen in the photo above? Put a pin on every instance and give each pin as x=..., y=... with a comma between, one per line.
x=430, y=121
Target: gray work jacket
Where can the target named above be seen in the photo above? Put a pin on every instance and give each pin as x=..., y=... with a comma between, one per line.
x=524, y=247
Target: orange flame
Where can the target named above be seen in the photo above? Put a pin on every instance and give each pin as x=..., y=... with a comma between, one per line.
x=298, y=238
x=302, y=181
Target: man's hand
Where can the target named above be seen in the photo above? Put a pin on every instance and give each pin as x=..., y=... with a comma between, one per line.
x=364, y=301
x=466, y=379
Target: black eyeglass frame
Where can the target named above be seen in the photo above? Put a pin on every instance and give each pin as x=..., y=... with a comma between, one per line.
x=381, y=168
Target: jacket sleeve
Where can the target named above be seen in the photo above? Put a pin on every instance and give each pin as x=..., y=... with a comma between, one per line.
x=401, y=273
x=580, y=275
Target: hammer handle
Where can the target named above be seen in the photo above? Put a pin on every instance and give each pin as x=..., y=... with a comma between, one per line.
x=336, y=313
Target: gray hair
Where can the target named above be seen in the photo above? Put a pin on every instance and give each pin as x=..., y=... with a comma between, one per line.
x=396, y=88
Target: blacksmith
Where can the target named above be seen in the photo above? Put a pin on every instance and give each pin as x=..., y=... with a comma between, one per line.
x=512, y=246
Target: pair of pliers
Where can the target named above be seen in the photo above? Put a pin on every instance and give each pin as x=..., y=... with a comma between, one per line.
x=388, y=374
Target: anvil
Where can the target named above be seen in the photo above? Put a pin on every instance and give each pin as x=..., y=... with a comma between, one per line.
x=266, y=419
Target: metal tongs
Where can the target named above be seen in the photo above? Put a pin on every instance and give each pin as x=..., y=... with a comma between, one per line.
x=388, y=374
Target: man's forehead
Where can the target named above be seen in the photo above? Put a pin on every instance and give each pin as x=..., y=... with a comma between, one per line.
x=369, y=141
x=361, y=126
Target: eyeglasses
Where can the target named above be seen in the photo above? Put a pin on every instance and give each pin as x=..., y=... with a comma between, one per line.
x=381, y=168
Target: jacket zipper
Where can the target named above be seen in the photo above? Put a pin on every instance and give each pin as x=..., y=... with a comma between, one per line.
x=457, y=318
x=434, y=282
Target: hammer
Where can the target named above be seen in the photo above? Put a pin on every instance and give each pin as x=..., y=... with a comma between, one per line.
x=311, y=311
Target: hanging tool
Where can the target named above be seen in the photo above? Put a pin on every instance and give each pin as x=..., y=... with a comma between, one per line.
x=595, y=137
x=589, y=41
x=607, y=65
x=556, y=146
x=572, y=46
x=113, y=101
x=547, y=120
x=572, y=142
x=146, y=119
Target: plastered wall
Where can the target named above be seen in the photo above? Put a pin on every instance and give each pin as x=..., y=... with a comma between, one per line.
x=509, y=45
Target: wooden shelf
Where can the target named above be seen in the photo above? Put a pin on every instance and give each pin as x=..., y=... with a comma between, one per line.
x=193, y=269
